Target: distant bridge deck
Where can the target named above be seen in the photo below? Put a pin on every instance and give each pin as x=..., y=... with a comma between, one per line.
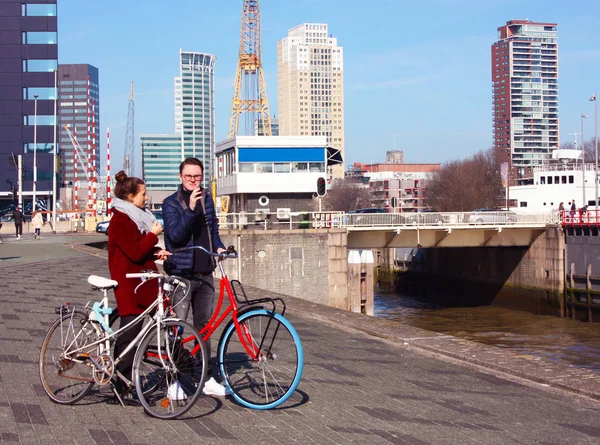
x=391, y=230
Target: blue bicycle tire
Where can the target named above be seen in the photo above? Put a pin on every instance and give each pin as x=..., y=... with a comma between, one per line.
x=242, y=376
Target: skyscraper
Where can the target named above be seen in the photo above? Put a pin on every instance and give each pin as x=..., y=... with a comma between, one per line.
x=195, y=106
x=29, y=53
x=194, y=125
x=525, y=92
x=311, y=86
x=73, y=112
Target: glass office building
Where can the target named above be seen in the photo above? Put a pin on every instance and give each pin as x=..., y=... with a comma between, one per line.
x=161, y=156
x=28, y=61
x=194, y=125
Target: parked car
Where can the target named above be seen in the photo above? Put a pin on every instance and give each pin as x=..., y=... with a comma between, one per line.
x=426, y=217
x=102, y=227
x=492, y=216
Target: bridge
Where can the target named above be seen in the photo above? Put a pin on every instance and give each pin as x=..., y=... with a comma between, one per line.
x=393, y=230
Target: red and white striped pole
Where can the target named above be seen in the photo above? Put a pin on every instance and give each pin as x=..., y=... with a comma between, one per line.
x=89, y=150
x=75, y=178
x=94, y=175
x=108, y=171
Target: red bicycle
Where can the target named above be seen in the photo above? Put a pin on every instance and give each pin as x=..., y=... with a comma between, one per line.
x=259, y=353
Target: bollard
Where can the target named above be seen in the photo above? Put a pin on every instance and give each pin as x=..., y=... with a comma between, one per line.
x=354, y=280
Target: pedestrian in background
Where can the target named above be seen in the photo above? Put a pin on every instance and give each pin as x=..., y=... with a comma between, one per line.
x=37, y=221
x=132, y=239
x=18, y=217
x=190, y=220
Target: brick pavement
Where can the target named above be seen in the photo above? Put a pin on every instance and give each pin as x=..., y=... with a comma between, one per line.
x=367, y=383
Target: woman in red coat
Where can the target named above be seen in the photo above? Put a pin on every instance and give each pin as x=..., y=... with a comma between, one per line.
x=132, y=238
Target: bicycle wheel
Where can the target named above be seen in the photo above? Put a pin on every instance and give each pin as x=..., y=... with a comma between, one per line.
x=269, y=380
x=67, y=376
x=169, y=369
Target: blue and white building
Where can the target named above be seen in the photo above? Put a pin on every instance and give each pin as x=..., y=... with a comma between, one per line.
x=267, y=173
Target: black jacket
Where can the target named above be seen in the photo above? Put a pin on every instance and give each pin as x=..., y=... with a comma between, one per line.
x=179, y=221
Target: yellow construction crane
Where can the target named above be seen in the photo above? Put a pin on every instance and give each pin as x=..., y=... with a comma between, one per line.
x=253, y=99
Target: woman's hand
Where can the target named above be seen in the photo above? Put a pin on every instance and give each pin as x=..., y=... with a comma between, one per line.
x=156, y=228
x=162, y=254
x=221, y=250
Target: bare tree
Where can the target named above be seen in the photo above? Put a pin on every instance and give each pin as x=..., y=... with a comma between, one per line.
x=589, y=149
x=468, y=184
x=347, y=194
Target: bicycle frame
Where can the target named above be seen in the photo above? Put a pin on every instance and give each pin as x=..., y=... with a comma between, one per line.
x=104, y=341
x=215, y=321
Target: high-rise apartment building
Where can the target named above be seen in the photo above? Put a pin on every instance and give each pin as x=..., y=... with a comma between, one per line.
x=194, y=125
x=29, y=59
x=311, y=86
x=525, y=87
x=73, y=113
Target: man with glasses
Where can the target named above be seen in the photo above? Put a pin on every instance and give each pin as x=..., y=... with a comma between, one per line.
x=190, y=220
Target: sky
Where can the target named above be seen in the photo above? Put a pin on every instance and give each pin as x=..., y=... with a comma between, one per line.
x=417, y=75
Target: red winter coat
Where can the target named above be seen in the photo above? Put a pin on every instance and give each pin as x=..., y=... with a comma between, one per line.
x=129, y=251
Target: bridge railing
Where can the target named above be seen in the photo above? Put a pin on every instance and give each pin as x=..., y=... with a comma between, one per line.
x=321, y=220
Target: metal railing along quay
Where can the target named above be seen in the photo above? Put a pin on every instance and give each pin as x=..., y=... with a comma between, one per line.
x=375, y=221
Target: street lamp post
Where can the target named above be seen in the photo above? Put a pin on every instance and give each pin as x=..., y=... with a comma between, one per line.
x=594, y=99
x=35, y=97
x=54, y=156
x=583, y=116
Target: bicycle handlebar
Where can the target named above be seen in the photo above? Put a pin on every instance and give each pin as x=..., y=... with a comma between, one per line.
x=229, y=253
x=151, y=274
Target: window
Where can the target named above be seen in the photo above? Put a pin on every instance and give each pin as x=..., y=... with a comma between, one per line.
x=549, y=179
x=282, y=167
x=246, y=167
x=38, y=10
x=571, y=179
x=43, y=93
x=39, y=38
x=316, y=167
x=39, y=66
x=41, y=120
x=564, y=180
x=557, y=179
x=299, y=167
x=264, y=168
x=542, y=179
x=523, y=204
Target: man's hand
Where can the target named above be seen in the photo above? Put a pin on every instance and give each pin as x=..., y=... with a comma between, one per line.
x=221, y=250
x=194, y=197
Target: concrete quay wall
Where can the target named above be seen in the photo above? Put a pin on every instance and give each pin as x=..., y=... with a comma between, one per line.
x=308, y=264
x=473, y=276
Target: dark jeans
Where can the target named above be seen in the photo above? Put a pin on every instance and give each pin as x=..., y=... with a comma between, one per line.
x=123, y=340
x=202, y=296
x=19, y=228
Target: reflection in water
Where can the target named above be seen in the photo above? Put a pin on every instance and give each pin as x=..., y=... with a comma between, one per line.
x=575, y=342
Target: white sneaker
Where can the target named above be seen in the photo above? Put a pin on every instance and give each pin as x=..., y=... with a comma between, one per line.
x=175, y=392
x=213, y=388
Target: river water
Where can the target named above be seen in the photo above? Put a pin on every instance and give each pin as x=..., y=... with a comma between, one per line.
x=506, y=323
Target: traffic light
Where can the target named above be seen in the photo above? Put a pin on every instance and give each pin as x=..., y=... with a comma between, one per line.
x=321, y=187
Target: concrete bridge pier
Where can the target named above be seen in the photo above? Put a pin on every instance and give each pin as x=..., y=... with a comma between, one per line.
x=361, y=297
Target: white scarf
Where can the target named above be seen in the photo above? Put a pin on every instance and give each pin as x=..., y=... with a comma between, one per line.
x=143, y=218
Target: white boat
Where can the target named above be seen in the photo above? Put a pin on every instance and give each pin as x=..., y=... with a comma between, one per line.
x=561, y=180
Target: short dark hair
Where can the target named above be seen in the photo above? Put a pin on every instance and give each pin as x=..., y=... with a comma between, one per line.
x=191, y=161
